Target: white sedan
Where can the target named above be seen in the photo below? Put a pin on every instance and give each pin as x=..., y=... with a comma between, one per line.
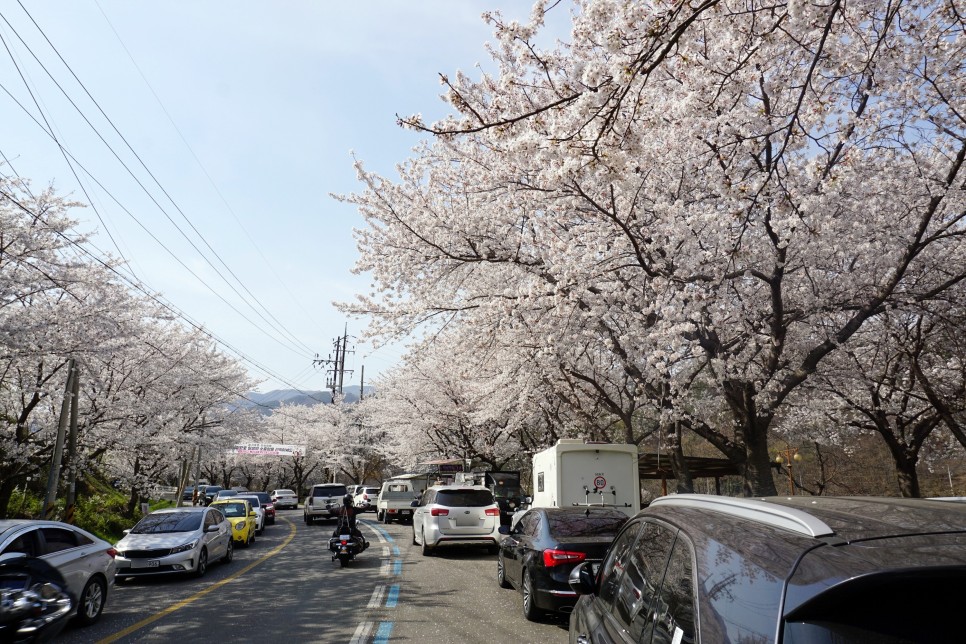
x=175, y=541
x=284, y=499
x=85, y=561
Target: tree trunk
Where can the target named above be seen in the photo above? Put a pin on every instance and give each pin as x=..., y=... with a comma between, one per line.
x=906, y=475
x=6, y=491
x=756, y=470
x=682, y=473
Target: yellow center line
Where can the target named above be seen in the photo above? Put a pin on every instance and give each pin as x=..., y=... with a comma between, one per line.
x=190, y=600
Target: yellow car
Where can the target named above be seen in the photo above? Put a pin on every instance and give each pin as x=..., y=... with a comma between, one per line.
x=242, y=518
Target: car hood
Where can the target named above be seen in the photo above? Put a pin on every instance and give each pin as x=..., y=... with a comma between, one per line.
x=153, y=541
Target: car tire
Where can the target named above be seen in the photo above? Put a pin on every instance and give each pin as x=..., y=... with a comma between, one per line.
x=92, y=600
x=308, y=519
x=229, y=552
x=415, y=543
x=202, y=563
x=386, y=518
x=251, y=538
x=379, y=515
x=272, y=522
x=501, y=572
x=426, y=550
x=530, y=610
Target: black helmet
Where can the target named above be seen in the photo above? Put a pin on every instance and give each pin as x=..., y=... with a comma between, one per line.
x=347, y=499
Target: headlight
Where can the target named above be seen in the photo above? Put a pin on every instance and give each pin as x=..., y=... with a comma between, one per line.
x=240, y=526
x=184, y=548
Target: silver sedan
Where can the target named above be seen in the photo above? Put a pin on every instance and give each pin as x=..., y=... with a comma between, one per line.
x=85, y=561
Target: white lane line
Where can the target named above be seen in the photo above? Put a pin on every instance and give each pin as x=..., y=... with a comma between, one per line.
x=384, y=570
x=362, y=633
x=376, y=600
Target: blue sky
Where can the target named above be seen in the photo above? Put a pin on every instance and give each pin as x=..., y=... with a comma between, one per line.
x=246, y=114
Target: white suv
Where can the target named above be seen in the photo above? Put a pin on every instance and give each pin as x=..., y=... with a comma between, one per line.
x=448, y=514
x=323, y=502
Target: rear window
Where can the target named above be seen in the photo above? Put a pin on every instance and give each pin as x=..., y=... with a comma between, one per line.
x=329, y=490
x=254, y=500
x=877, y=608
x=263, y=497
x=464, y=498
x=289, y=492
x=580, y=525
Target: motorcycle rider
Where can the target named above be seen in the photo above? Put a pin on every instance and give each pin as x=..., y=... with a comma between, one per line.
x=347, y=519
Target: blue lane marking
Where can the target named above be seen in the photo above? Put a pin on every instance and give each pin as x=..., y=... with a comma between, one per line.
x=395, y=550
x=374, y=526
x=393, y=598
x=382, y=635
x=397, y=567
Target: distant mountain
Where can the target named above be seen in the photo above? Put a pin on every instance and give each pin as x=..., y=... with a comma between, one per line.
x=266, y=402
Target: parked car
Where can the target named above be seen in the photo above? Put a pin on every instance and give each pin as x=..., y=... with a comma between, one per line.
x=242, y=517
x=86, y=562
x=224, y=494
x=188, y=494
x=704, y=568
x=175, y=541
x=365, y=498
x=538, y=553
x=451, y=514
x=285, y=499
x=265, y=499
x=323, y=502
x=210, y=492
x=257, y=506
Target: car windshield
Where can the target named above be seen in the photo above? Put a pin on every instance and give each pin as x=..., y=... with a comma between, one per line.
x=582, y=525
x=505, y=485
x=233, y=510
x=464, y=498
x=212, y=489
x=160, y=522
x=371, y=490
x=251, y=499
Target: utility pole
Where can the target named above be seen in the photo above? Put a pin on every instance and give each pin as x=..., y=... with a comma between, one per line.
x=362, y=383
x=338, y=370
x=72, y=448
x=53, y=476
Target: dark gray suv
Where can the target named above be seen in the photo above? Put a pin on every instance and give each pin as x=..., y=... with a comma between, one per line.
x=699, y=568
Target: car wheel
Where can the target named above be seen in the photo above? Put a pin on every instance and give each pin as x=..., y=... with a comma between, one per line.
x=501, y=572
x=202, y=563
x=251, y=537
x=415, y=543
x=378, y=515
x=229, y=552
x=308, y=521
x=427, y=551
x=385, y=518
x=91, y=601
x=530, y=610
x=272, y=522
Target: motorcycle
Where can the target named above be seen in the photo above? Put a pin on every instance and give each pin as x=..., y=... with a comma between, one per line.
x=346, y=541
x=34, y=603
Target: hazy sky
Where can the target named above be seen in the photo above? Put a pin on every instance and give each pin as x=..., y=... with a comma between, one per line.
x=245, y=115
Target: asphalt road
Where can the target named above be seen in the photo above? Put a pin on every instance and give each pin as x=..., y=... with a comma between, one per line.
x=285, y=588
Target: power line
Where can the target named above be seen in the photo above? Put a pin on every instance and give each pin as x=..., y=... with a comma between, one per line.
x=281, y=326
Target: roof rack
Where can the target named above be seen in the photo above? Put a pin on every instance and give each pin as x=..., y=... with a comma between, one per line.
x=771, y=514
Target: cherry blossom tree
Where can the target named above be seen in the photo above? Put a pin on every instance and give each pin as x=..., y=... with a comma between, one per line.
x=722, y=194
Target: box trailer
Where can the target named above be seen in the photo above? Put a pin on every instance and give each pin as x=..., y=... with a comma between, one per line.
x=578, y=473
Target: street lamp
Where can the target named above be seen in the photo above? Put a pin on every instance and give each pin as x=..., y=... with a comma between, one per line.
x=787, y=456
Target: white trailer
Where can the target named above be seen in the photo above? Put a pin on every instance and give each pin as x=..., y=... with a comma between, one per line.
x=578, y=473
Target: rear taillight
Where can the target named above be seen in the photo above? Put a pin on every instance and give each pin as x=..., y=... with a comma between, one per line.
x=554, y=557
x=112, y=552
x=365, y=497
x=493, y=512
x=439, y=512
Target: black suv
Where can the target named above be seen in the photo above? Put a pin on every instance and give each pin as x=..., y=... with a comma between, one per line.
x=698, y=568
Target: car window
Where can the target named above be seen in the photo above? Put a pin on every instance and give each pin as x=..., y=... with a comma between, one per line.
x=638, y=587
x=329, y=490
x=162, y=522
x=674, y=622
x=529, y=524
x=233, y=510
x=25, y=543
x=581, y=525
x=57, y=539
x=254, y=500
x=614, y=564
x=263, y=497
x=464, y=498
x=214, y=517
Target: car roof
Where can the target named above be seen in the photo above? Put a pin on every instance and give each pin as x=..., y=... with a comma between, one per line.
x=449, y=487
x=580, y=510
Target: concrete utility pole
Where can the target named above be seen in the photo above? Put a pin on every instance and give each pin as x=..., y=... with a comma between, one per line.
x=338, y=369
x=53, y=476
x=72, y=448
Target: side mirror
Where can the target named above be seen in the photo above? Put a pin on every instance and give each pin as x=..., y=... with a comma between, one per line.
x=504, y=529
x=253, y=514
x=528, y=500
x=211, y=528
x=582, y=580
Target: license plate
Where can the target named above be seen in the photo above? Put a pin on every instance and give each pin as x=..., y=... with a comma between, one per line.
x=153, y=563
x=344, y=537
